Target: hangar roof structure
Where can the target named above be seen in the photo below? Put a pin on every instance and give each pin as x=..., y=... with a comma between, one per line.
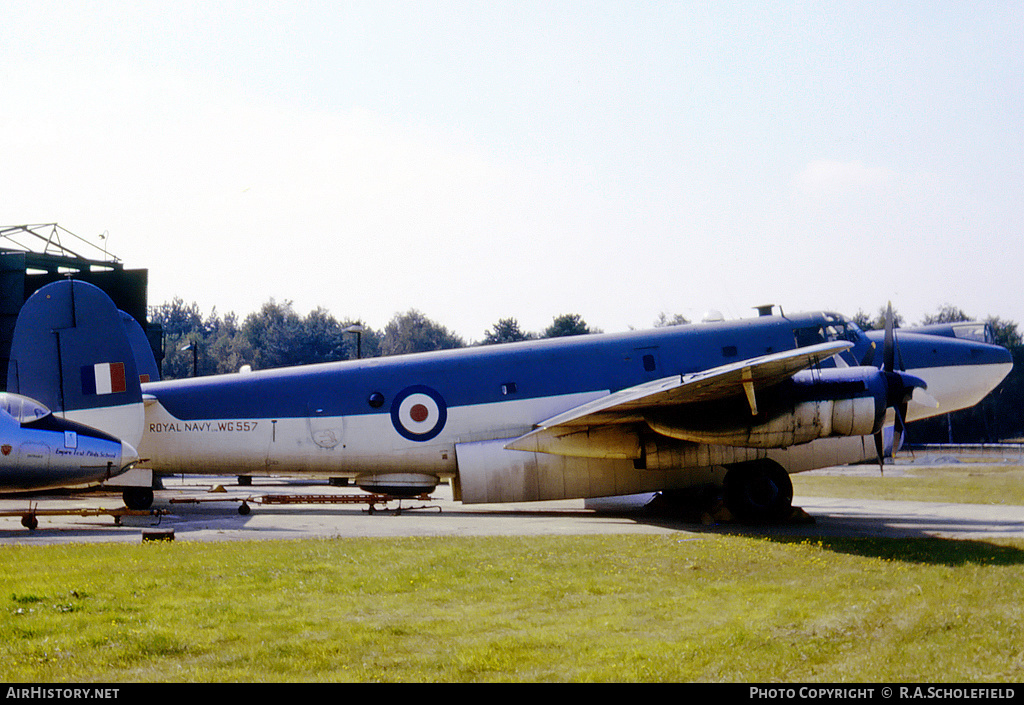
x=34, y=255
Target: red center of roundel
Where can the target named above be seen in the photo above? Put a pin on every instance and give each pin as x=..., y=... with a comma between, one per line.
x=419, y=413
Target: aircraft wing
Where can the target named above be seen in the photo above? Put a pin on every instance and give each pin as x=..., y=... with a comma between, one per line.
x=629, y=405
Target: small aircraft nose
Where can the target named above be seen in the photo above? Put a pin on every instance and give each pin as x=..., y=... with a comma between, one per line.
x=129, y=456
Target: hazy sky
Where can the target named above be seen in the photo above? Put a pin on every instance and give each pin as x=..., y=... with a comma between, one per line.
x=480, y=160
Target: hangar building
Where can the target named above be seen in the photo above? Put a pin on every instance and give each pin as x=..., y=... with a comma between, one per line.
x=32, y=256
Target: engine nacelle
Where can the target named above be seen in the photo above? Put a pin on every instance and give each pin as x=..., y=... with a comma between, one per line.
x=813, y=404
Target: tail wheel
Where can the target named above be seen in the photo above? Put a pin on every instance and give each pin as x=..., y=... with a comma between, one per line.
x=759, y=491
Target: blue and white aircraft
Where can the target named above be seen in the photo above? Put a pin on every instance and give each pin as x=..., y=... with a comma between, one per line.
x=731, y=405
x=39, y=451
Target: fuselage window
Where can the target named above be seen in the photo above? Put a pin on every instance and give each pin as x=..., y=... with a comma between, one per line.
x=649, y=364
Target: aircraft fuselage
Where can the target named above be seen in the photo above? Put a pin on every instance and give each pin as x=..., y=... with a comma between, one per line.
x=408, y=419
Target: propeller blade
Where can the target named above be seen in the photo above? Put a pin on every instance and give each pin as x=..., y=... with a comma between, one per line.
x=900, y=428
x=901, y=387
x=869, y=356
x=911, y=386
x=889, y=355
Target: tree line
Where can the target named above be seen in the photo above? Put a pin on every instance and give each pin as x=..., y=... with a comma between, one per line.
x=277, y=336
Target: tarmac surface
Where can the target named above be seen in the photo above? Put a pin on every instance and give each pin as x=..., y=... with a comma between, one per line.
x=206, y=508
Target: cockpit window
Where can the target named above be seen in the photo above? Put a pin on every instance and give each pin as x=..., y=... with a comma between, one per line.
x=982, y=332
x=842, y=331
x=22, y=408
x=835, y=328
x=853, y=332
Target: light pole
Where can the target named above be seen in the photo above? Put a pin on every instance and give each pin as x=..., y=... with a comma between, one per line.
x=358, y=329
x=194, y=347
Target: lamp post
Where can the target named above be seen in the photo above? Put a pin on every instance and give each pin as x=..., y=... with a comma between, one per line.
x=194, y=347
x=358, y=329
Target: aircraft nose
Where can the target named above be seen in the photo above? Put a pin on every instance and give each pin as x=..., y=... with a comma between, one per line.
x=129, y=456
x=959, y=373
x=1001, y=355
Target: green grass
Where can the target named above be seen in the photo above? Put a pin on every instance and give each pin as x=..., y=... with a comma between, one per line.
x=679, y=607
x=967, y=482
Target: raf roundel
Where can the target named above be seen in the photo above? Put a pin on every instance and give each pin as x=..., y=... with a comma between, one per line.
x=419, y=413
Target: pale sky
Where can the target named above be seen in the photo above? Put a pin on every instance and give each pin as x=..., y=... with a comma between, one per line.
x=483, y=160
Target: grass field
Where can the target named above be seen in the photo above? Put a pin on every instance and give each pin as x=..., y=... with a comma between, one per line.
x=981, y=482
x=677, y=607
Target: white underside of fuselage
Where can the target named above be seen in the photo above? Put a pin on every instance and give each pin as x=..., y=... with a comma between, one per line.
x=333, y=446
x=957, y=387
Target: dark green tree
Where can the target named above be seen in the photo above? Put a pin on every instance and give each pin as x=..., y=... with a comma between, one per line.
x=177, y=317
x=411, y=332
x=865, y=322
x=321, y=338
x=224, y=350
x=365, y=344
x=1006, y=334
x=187, y=338
x=278, y=337
x=506, y=330
x=274, y=334
x=947, y=313
x=567, y=324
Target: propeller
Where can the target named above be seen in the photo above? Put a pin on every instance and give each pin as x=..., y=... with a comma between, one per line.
x=900, y=389
x=869, y=356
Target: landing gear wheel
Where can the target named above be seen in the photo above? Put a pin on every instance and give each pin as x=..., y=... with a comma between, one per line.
x=138, y=497
x=759, y=491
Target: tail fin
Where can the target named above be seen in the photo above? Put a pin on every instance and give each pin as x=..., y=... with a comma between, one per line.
x=145, y=363
x=71, y=351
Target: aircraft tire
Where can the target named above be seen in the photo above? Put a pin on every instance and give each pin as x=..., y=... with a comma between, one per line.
x=759, y=491
x=138, y=497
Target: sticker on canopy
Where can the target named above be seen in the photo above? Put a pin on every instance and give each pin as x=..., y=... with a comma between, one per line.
x=419, y=413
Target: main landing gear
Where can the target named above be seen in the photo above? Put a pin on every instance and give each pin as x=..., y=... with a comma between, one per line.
x=759, y=491
x=756, y=492
x=138, y=497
